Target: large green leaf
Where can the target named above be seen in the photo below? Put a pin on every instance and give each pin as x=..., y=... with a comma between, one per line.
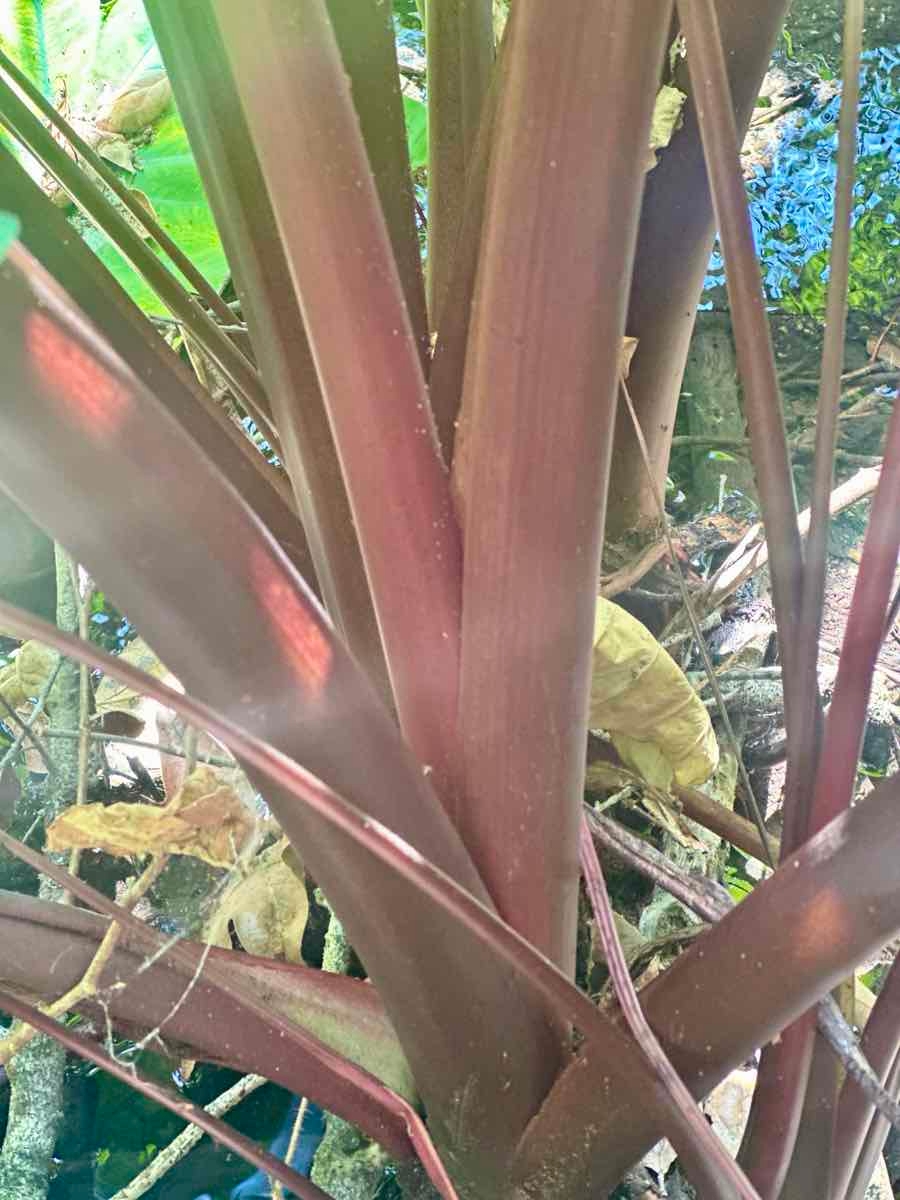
x=68, y=41
x=168, y=175
x=51, y=39
x=126, y=42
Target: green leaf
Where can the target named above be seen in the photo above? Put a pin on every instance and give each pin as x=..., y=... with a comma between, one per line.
x=52, y=40
x=126, y=43
x=169, y=177
x=22, y=38
x=9, y=231
x=416, y=131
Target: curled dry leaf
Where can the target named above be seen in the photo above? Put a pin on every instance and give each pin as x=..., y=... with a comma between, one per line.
x=640, y=696
x=205, y=820
x=23, y=678
x=268, y=908
x=626, y=354
x=138, y=104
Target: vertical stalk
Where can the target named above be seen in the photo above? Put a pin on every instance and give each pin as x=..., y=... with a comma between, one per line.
x=195, y=57
x=769, y=1147
x=459, y=43
x=809, y=1168
x=803, y=747
x=295, y=91
x=445, y=381
x=538, y=406
x=365, y=35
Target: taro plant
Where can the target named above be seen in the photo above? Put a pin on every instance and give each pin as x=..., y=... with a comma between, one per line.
x=389, y=618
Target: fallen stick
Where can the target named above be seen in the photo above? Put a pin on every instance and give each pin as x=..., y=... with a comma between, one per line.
x=744, y=562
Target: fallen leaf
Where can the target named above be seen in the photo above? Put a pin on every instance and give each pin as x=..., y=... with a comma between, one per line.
x=268, y=908
x=24, y=678
x=641, y=697
x=138, y=104
x=205, y=820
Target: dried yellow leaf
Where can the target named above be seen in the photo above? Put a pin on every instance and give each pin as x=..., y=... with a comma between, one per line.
x=25, y=676
x=205, y=820
x=640, y=696
x=626, y=354
x=268, y=909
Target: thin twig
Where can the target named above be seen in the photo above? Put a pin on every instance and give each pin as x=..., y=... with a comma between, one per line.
x=619, y=581
x=83, y=600
x=26, y=730
x=182, y=1145
x=87, y=986
x=191, y=984
x=215, y=760
x=744, y=562
x=708, y=899
x=216, y=1128
x=840, y=1037
x=711, y=902
x=277, y=1189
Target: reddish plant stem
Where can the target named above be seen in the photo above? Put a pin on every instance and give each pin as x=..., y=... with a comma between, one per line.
x=862, y=639
x=459, y=43
x=809, y=1167
x=776, y=1120
x=445, y=381
x=192, y=48
x=704, y=897
x=708, y=1164
x=294, y=89
x=753, y=343
x=532, y=457
x=804, y=744
x=217, y=1129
